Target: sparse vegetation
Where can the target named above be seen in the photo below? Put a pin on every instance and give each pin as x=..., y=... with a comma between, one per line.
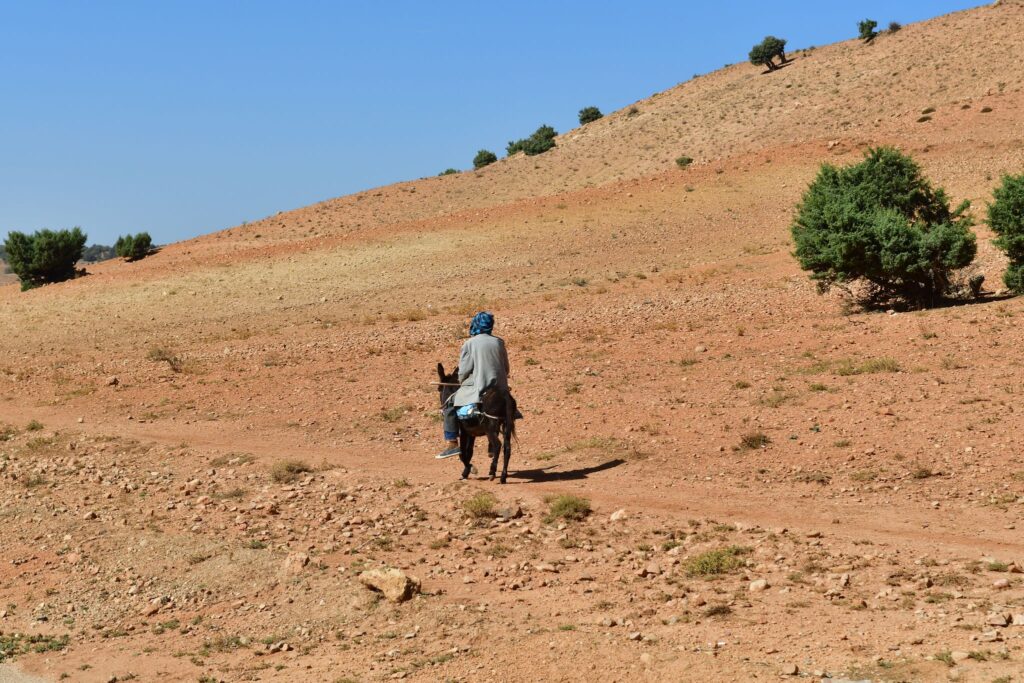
x=481, y=506
x=484, y=157
x=895, y=26
x=448, y=171
x=1006, y=218
x=589, y=114
x=683, y=161
x=567, y=507
x=45, y=256
x=715, y=562
x=880, y=223
x=287, y=471
x=754, y=440
x=160, y=354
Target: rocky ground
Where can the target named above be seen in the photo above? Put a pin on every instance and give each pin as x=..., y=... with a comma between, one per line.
x=178, y=563
x=209, y=458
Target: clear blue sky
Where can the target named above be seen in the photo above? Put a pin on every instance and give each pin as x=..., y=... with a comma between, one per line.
x=183, y=117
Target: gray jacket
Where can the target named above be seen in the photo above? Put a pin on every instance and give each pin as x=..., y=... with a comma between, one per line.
x=482, y=360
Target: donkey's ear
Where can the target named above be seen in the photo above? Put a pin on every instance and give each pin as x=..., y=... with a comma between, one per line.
x=440, y=371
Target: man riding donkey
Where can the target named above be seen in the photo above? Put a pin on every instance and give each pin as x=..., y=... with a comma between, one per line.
x=483, y=365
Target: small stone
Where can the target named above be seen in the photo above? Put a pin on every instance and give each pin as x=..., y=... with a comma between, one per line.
x=635, y=635
x=295, y=562
x=996, y=619
x=959, y=655
x=91, y=514
x=1001, y=584
x=790, y=670
x=619, y=515
x=113, y=381
x=758, y=585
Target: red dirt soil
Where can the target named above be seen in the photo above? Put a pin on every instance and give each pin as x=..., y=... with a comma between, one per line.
x=670, y=358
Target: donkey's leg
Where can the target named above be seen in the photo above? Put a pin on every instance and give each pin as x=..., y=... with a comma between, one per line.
x=493, y=449
x=507, y=438
x=466, y=452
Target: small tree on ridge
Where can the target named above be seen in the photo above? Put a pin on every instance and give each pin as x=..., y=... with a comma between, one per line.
x=484, y=157
x=765, y=52
x=867, y=30
x=588, y=114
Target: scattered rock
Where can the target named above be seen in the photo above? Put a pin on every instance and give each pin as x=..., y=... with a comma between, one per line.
x=789, y=670
x=758, y=585
x=393, y=583
x=619, y=515
x=295, y=562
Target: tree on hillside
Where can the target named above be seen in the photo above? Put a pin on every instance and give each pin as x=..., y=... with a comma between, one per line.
x=134, y=247
x=588, y=114
x=867, y=30
x=541, y=141
x=895, y=26
x=484, y=157
x=1006, y=218
x=765, y=52
x=880, y=223
x=44, y=256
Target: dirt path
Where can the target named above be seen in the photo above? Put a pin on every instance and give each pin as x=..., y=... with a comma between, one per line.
x=966, y=532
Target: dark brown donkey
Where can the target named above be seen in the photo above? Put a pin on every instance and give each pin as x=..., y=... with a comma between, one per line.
x=496, y=421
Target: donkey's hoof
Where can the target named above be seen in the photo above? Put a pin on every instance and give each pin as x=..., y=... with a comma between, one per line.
x=503, y=480
x=490, y=478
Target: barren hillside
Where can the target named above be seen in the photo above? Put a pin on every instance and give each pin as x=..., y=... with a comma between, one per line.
x=671, y=359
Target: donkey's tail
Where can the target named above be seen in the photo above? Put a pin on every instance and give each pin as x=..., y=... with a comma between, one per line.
x=510, y=416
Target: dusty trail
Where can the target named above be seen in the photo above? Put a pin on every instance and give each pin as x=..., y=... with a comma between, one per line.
x=964, y=533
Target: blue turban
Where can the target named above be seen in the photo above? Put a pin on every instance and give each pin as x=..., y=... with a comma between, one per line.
x=483, y=323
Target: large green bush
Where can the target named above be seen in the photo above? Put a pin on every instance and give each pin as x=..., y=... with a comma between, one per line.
x=134, y=247
x=1006, y=218
x=541, y=141
x=44, y=256
x=880, y=222
x=588, y=114
x=484, y=157
x=765, y=52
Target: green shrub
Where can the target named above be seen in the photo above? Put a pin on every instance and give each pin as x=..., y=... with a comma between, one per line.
x=765, y=52
x=449, y=171
x=481, y=506
x=588, y=114
x=895, y=26
x=484, y=157
x=44, y=256
x=541, y=141
x=714, y=562
x=866, y=30
x=880, y=222
x=568, y=507
x=287, y=471
x=1006, y=218
x=134, y=247
x=683, y=161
